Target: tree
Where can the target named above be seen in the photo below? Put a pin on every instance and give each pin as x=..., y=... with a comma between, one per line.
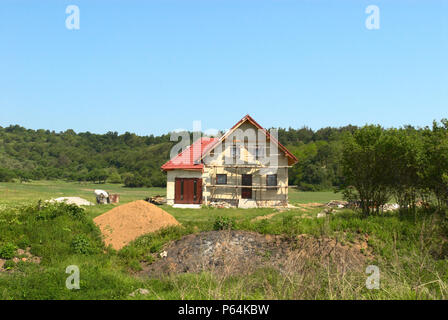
x=366, y=168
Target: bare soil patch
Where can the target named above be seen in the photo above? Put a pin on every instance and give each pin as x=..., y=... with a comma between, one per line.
x=127, y=222
x=266, y=217
x=236, y=252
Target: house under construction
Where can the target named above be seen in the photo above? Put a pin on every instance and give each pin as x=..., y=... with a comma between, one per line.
x=246, y=167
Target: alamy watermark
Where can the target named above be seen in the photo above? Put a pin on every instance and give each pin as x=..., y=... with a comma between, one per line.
x=373, y=281
x=72, y=281
x=72, y=22
x=373, y=20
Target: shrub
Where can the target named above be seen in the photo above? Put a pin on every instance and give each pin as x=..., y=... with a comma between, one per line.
x=114, y=178
x=7, y=251
x=9, y=265
x=222, y=223
x=49, y=211
x=75, y=212
x=136, y=181
x=81, y=244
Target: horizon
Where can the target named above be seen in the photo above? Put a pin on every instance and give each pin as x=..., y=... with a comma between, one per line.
x=154, y=67
x=218, y=129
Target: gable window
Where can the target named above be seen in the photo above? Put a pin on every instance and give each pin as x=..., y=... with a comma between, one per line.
x=271, y=180
x=221, y=179
x=212, y=153
x=259, y=152
x=235, y=151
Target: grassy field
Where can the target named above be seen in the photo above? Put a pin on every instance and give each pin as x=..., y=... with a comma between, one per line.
x=410, y=250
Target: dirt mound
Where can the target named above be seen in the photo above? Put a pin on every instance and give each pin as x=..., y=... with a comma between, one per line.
x=243, y=251
x=127, y=222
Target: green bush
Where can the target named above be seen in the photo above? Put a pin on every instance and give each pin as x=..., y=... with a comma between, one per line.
x=50, y=211
x=81, y=244
x=9, y=265
x=7, y=251
x=223, y=223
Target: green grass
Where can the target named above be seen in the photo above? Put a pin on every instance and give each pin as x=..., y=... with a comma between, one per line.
x=409, y=249
x=32, y=191
x=296, y=196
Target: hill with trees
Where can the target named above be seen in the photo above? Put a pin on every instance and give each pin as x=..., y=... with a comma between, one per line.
x=374, y=161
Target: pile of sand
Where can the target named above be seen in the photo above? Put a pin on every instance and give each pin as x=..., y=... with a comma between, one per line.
x=73, y=200
x=125, y=223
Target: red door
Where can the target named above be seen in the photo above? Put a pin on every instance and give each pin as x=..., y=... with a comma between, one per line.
x=188, y=190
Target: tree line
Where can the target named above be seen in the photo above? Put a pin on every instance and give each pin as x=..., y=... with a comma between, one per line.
x=370, y=164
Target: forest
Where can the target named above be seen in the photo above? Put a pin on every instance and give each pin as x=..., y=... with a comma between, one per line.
x=27, y=154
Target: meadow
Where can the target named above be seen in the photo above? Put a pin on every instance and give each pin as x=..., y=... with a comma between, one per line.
x=410, y=250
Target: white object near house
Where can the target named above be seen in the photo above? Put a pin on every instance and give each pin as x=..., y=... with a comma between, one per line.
x=101, y=196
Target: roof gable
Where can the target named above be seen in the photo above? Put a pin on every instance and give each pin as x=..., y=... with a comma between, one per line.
x=191, y=157
x=247, y=118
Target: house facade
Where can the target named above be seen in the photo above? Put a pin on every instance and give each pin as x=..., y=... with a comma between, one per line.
x=246, y=167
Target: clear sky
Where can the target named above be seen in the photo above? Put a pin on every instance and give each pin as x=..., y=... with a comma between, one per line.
x=155, y=66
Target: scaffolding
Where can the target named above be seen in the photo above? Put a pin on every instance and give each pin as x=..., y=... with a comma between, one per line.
x=258, y=187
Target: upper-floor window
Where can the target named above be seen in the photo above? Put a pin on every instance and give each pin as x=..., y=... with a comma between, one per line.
x=271, y=180
x=259, y=152
x=221, y=179
x=235, y=151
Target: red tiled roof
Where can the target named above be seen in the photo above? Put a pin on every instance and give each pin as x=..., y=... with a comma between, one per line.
x=189, y=158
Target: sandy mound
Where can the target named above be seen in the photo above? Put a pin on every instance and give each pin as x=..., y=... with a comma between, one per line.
x=127, y=222
x=73, y=200
x=236, y=252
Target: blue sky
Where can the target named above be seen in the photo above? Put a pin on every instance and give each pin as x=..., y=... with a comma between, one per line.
x=150, y=67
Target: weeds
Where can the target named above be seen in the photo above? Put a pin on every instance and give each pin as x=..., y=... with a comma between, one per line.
x=410, y=250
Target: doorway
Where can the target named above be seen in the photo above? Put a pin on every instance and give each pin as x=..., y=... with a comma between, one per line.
x=188, y=190
x=246, y=180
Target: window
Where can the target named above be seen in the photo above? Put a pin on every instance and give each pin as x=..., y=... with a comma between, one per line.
x=221, y=179
x=259, y=152
x=212, y=153
x=271, y=180
x=235, y=151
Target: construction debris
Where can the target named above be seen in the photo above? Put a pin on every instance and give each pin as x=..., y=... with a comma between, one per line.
x=247, y=203
x=221, y=204
x=114, y=198
x=157, y=200
x=127, y=222
x=337, y=204
x=72, y=200
x=390, y=207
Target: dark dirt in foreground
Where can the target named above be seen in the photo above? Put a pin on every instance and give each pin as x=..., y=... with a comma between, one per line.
x=236, y=252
